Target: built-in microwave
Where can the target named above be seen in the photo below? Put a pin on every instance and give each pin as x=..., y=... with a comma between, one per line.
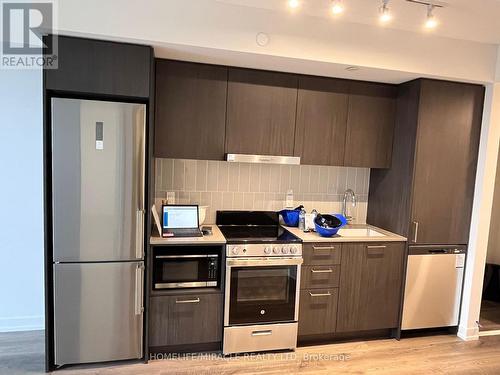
x=186, y=267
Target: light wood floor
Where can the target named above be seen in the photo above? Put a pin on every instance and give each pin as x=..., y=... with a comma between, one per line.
x=22, y=353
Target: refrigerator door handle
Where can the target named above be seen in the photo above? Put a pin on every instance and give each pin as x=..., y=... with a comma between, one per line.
x=139, y=238
x=139, y=286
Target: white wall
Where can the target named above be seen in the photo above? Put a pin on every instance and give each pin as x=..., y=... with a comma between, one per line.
x=21, y=214
x=226, y=33
x=481, y=214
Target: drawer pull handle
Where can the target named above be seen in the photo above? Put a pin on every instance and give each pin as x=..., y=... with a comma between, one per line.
x=376, y=247
x=329, y=270
x=196, y=300
x=320, y=294
x=267, y=332
x=323, y=247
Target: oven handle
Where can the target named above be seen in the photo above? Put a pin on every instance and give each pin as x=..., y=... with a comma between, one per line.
x=257, y=262
x=187, y=256
x=266, y=332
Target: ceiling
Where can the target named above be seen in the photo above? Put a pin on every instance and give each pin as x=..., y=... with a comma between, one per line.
x=473, y=20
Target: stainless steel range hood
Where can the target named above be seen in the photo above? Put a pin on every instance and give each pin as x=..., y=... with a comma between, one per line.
x=263, y=159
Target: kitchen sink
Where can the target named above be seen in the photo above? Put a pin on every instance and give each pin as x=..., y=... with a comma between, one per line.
x=359, y=232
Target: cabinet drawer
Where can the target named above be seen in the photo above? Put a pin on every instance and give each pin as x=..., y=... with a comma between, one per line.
x=318, y=311
x=319, y=277
x=185, y=319
x=321, y=254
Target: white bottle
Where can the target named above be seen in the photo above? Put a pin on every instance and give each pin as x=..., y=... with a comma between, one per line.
x=289, y=199
x=302, y=219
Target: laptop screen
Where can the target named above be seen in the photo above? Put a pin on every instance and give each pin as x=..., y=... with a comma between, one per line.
x=180, y=217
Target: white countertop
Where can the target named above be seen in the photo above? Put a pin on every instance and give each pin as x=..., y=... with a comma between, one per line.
x=315, y=237
x=215, y=238
x=218, y=238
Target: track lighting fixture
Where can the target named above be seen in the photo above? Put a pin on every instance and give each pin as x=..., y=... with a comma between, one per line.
x=431, y=21
x=385, y=13
x=293, y=4
x=337, y=7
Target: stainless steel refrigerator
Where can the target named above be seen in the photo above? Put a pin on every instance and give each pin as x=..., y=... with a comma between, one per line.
x=98, y=163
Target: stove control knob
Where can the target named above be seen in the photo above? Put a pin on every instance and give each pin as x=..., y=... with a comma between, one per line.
x=285, y=250
x=267, y=250
x=293, y=250
x=235, y=250
x=276, y=250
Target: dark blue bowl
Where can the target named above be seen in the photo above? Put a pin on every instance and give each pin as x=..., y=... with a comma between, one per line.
x=333, y=224
x=290, y=217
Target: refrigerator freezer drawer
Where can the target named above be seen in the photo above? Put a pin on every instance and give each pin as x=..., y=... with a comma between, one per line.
x=433, y=291
x=98, y=312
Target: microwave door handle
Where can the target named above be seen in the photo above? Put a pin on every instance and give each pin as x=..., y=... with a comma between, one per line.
x=187, y=256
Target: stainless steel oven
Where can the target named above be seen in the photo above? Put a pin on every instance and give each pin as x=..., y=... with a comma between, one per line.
x=262, y=290
x=186, y=267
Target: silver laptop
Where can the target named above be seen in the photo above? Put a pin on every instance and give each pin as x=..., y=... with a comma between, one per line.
x=180, y=221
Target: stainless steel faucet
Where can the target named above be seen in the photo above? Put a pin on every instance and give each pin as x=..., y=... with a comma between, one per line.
x=348, y=201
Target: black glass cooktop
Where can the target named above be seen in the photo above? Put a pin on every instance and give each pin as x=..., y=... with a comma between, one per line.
x=253, y=226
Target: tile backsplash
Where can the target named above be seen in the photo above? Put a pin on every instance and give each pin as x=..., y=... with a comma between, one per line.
x=225, y=185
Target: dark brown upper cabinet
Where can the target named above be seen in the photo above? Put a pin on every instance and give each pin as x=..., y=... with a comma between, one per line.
x=261, y=108
x=370, y=286
x=370, y=125
x=190, y=110
x=99, y=67
x=427, y=195
x=321, y=120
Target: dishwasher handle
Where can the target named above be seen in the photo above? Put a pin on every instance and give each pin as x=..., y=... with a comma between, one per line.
x=439, y=251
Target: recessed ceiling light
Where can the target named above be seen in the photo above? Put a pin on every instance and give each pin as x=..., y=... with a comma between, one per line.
x=385, y=13
x=293, y=4
x=352, y=68
x=337, y=7
x=431, y=22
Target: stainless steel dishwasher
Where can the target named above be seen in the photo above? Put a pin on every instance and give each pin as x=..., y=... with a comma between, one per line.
x=433, y=291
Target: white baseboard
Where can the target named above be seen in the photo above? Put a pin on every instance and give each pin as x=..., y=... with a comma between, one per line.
x=468, y=333
x=22, y=323
x=489, y=333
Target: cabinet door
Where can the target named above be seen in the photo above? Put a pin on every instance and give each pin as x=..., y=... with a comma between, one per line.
x=100, y=67
x=190, y=110
x=321, y=120
x=370, y=125
x=446, y=156
x=261, y=108
x=370, y=286
x=185, y=319
x=317, y=311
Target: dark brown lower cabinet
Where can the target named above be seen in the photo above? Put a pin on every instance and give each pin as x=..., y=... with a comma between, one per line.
x=318, y=311
x=185, y=319
x=370, y=286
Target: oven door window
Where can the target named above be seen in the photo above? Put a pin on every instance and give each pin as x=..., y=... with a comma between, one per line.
x=262, y=294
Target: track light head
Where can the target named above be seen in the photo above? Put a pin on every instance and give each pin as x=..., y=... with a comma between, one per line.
x=385, y=13
x=431, y=22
